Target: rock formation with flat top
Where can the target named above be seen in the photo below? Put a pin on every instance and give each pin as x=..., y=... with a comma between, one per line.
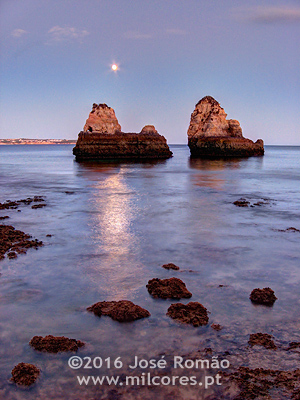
x=102, y=139
x=210, y=134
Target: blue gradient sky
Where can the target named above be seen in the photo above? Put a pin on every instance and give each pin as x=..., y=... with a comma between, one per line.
x=56, y=57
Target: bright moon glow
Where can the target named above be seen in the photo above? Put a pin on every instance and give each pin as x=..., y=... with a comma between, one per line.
x=114, y=67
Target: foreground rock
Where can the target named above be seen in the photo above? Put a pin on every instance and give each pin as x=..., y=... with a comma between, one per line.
x=171, y=266
x=25, y=374
x=262, y=339
x=192, y=313
x=265, y=296
x=55, y=344
x=13, y=241
x=172, y=288
x=122, y=311
x=102, y=139
x=210, y=134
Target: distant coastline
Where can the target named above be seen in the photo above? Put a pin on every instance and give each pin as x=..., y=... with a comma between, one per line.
x=35, y=141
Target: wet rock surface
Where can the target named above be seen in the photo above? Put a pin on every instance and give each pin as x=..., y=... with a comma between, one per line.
x=171, y=266
x=13, y=242
x=121, y=311
x=265, y=296
x=55, y=344
x=210, y=134
x=262, y=339
x=25, y=374
x=171, y=288
x=258, y=383
x=193, y=313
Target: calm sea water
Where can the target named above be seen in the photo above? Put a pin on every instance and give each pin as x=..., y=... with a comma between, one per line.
x=113, y=233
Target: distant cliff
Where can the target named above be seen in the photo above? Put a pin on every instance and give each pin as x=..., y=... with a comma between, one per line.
x=35, y=141
x=210, y=134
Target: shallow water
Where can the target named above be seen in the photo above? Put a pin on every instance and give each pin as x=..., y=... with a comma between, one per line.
x=114, y=230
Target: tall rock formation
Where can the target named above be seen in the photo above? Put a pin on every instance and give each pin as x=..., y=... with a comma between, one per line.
x=102, y=119
x=210, y=134
x=102, y=139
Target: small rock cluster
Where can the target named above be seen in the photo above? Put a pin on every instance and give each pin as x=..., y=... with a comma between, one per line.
x=14, y=242
x=13, y=205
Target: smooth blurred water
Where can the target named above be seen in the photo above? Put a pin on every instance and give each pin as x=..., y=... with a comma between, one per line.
x=114, y=232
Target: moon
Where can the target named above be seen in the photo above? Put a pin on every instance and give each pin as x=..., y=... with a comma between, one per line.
x=114, y=67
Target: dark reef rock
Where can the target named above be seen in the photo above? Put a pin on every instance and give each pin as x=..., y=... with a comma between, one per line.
x=291, y=229
x=171, y=266
x=13, y=241
x=102, y=139
x=12, y=205
x=192, y=313
x=5, y=217
x=25, y=374
x=293, y=346
x=217, y=327
x=121, y=311
x=171, y=288
x=262, y=339
x=264, y=296
x=55, y=344
x=241, y=203
x=210, y=134
x=41, y=205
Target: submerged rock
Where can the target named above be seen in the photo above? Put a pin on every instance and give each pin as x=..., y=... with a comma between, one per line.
x=259, y=382
x=291, y=229
x=171, y=266
x=102, y=139
x=13, y=241
x=217, y=327
x=55, y=344
x=293, y=345
x=25, y=374
x=122, y=311
x=35, y=206
x=192, y=313
x=241, y=203
x=15, y=204
x=262, y=339
x=210, y=134
x=171, y=288
x=264, y=296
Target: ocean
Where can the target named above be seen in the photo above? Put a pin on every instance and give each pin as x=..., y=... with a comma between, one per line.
x=113, y=226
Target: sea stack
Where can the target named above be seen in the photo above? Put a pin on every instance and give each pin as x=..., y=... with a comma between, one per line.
x=210, y=134
x=102, y=139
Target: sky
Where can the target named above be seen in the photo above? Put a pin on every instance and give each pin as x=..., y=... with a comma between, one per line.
x=56, y=58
